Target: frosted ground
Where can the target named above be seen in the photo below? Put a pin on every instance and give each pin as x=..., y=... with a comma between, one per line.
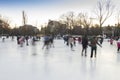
x=58, y=63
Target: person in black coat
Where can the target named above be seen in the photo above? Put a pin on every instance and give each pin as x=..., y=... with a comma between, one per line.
x=84, y=45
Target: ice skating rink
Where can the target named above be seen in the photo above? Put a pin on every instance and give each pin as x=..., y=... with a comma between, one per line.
x=58, y=63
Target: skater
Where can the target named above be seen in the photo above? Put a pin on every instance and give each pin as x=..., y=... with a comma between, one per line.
x=46, y=42
x=51, y=41
x=111, y=41
x=118, y=45
x=84, y=45
x=3, y=39
x=79, y=40
x=93, y=45
x=21, y=41
x=74, y=41
x=12, y=38
x=71, y=41
x=101, y=40
x=67, y=40
x=26, y=38
x=33, y=40
x=18, y=37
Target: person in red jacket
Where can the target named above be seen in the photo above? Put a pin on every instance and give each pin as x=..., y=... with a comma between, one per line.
x=118, y=45
x=111, y=41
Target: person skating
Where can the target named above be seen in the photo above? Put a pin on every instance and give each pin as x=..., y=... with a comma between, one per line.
x=118, y=45
x=71, y=41
x=111, y=41
x=93, y=44
x=84, y=45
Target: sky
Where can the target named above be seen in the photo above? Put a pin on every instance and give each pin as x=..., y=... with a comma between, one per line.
x=40, y=11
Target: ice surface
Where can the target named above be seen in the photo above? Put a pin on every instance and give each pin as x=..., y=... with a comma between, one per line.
x=58, y=63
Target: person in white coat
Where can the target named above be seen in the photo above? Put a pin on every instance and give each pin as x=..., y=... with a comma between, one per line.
x=71, y=41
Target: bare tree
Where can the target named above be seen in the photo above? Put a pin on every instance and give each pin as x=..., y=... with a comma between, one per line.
x=24, y=17
x=85, y=21
x=118, y=18
x=104, y=10
x=68, y=19
x=5, y=22
x=4, y=25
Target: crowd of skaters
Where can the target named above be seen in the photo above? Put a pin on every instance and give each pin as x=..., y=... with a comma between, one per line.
x=48, y=41
x=70, y=40
x=24, y=39
x=92, y=42
x=118, y=42
x=85, y=42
